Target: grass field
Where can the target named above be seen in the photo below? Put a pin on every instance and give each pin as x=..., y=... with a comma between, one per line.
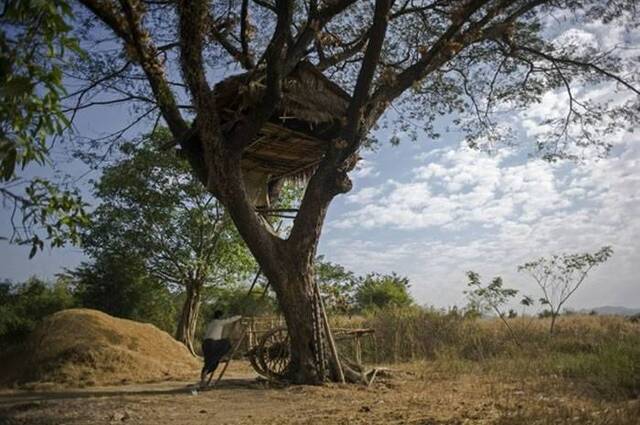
x=599, y=354
x=443, y=370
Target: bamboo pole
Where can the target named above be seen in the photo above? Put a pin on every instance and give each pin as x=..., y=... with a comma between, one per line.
x=332, y=343
x=226, y=365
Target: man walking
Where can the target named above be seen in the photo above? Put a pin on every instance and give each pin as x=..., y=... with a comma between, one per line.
x=214, y=347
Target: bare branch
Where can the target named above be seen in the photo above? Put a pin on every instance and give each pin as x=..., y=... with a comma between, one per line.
x=583, y=65
x=244, y=28
x=132, y=34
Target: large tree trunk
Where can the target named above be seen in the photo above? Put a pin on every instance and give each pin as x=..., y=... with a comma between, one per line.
x=299, y=304
x=186, y=330
x=286, y=262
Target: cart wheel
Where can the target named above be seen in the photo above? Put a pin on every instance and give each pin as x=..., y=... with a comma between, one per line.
x=252, y=356
x=274, y=353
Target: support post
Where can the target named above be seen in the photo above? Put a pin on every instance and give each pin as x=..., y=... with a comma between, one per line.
x=358, y=350
x=332, y=343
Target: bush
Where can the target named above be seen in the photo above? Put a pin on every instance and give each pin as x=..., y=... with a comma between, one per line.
x=121, y=287
x=23, y=306
x=379, y=291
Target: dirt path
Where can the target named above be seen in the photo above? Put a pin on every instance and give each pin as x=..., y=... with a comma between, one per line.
x=413, y=395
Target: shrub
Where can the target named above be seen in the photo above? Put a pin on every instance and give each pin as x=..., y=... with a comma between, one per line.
x=23, y=306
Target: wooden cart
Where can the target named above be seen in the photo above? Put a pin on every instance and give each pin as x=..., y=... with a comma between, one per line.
x=271, y=354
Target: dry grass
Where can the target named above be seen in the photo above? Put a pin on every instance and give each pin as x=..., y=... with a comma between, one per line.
x=463, y=372
x=80, y=347
x=601, y=354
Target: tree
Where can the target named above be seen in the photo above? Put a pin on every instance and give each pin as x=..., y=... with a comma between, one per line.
x=236, y=299
x=33, y=40
x=493, y=297
x=120, y=285
x=378, y=291
x=337, y=285
x=426, y=58
x=155, y=212
x=24, y=305
x=560, y=276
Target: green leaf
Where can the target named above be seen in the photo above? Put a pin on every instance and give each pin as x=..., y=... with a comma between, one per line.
x=8, y=165
x=17, y=86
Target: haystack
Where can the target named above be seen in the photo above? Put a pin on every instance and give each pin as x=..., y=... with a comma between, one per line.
x=295, y=139
x=80, y=347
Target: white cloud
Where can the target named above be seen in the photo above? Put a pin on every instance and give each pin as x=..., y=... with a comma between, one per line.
x=461, y=209
x=364, y=168
x=578, y=38
x=465, y=210
x=460, y=187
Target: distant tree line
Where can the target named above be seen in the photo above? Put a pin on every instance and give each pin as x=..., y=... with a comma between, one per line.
x=120, y=285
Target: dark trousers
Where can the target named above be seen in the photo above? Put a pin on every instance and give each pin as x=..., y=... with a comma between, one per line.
x=213, y=350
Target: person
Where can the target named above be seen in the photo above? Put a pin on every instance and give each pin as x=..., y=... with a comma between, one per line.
x=214, y=347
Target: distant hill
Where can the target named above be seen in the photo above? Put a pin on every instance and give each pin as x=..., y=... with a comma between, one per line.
x=612, y=310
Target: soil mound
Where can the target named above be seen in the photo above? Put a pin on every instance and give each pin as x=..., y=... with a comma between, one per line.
x=80, y=347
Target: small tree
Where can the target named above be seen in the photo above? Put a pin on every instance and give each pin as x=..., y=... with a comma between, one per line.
x=379, y=291
x=492, y=297
x=154, y=210
x=560, y=276
x=337, y=285
x=23, y=305
x=120, y=285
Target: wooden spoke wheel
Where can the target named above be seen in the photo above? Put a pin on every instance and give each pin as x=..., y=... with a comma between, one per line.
x=273, y=353
x=252, y=355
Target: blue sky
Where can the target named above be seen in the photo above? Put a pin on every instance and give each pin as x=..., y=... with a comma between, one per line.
x=432, y=210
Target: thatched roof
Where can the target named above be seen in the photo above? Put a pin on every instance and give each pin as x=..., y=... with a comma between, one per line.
x=293, y=142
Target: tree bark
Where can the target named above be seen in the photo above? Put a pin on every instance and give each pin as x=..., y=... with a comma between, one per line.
x=552, y=327
x=186, y=329
x=297, y=300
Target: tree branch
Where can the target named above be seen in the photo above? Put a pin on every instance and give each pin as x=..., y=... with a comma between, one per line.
x=580, y=64
x=331, y=177
x=244, y=38
x=130, y=33
x=440, y=52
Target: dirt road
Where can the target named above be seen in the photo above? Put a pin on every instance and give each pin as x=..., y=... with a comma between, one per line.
x=415, y=394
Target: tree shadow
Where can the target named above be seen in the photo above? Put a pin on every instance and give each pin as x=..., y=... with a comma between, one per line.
x=25, y=398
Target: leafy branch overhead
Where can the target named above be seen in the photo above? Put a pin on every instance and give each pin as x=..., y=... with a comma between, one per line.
x=35, y=42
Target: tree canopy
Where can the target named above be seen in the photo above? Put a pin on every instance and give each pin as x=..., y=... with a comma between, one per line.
x=152, y=208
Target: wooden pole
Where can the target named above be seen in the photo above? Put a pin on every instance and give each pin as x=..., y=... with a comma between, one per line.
x=332, y=343
x=224, y=369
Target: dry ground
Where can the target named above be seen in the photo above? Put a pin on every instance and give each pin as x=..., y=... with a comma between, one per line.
x=418, y=393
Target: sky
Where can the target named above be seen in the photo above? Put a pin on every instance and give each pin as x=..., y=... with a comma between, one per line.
x=432, y=210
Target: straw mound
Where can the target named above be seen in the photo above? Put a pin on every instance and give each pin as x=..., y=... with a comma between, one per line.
x=80, y=347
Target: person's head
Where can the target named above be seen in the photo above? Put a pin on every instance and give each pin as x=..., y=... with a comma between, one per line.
x=217, y=314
